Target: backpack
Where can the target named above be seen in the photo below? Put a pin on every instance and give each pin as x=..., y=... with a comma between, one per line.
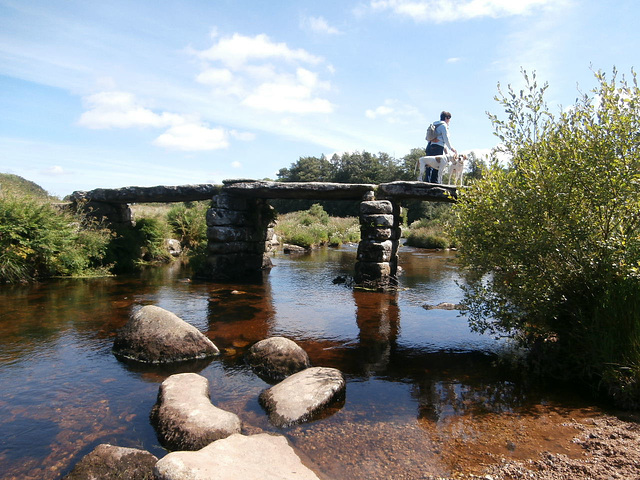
x=432, y=135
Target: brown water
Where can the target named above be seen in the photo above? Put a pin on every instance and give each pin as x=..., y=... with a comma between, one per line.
x=424, y=396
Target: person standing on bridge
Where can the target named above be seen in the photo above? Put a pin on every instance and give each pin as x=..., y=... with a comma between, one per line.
x=438, y=145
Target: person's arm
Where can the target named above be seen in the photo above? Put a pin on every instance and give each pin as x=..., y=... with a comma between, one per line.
x=444, y=132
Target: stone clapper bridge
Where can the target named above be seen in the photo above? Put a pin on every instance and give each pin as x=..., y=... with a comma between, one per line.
x=240, y=221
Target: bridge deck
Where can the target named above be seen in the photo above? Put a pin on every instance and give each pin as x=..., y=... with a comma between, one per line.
x=271, y=190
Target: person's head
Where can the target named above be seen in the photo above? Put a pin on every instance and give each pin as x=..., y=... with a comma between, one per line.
x=445, y=116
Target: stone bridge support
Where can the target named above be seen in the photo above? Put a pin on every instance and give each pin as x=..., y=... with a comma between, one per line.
x=239, y=230
x=380, y=231
x=116, y=215
x=240, y=221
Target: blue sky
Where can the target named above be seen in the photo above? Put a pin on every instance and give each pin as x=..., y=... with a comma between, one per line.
x=118, y=93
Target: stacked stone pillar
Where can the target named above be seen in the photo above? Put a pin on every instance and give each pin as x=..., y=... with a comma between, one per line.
x=115, y=215
x=380, y=231
x=237, y=233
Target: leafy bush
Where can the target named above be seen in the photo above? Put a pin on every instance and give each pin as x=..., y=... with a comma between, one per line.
x=38, y=240
x=153, y=233
x=139, y=245
x=553, y=240
x=188, y=221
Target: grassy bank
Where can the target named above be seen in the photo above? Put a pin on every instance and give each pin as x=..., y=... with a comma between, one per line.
x=433, y=229
x=313, y=228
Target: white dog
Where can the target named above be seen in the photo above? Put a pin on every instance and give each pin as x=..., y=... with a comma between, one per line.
x=439, y=162
x=456, y=168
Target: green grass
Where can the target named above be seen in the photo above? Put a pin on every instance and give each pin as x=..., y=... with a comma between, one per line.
x=313, y=228
x=17, y=186
x=428, y=234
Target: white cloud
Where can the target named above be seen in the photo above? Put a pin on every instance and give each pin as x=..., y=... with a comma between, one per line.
x=453, y=60
x=381, y=111
x=319, y=25
x=395, y=112
x=193, y=137
x=452, y=10
x=242, y=136
x=215, y=76
x=236, y=164
x=238, y=50
x=54, y=170
x=286, y=98
x=121, y=110
x=264, y=75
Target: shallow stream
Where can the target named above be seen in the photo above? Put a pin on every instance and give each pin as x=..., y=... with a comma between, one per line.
x=424, y=394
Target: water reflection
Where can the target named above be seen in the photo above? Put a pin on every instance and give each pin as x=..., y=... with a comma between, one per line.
x=378, y=319
x=418, y=381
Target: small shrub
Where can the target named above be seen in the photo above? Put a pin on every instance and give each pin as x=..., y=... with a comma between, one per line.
x=153, y=232
x=188, y=222
x=39, y=241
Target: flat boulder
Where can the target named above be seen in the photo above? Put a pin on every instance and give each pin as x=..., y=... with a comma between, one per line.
x=302, y=395
x=289, y=248
x=276, y=358
x=185, y=418
x=238, y=457
x=443, y=306
x=155, y=335
x=108, y=462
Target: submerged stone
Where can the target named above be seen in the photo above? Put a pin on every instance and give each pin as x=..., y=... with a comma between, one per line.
x=276, y=358
x=109, y=462
x=185, y=418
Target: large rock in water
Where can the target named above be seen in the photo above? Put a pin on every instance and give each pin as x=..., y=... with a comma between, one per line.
x=300, y=396
x=238, y=457
x=276, y=358
x=155, y=335
x=108, y=462
x=185, y=418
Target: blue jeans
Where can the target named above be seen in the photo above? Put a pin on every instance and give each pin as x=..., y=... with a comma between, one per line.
x=431, y=174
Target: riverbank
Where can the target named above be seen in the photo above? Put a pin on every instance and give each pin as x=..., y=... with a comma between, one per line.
x=608, y=446
x=546, y=443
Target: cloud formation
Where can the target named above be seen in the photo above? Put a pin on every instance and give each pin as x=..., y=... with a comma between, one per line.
x=319, y=25
x=265, y=75
x=116, y=109
x=393, y=111
x=452, y=10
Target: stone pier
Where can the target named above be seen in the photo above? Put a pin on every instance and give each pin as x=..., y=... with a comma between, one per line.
x=239, y=230
x=380, y=231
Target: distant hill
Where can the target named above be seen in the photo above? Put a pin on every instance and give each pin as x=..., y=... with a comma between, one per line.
x=17, y=185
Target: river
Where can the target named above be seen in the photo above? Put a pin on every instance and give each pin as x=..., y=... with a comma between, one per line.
x=424, y=394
